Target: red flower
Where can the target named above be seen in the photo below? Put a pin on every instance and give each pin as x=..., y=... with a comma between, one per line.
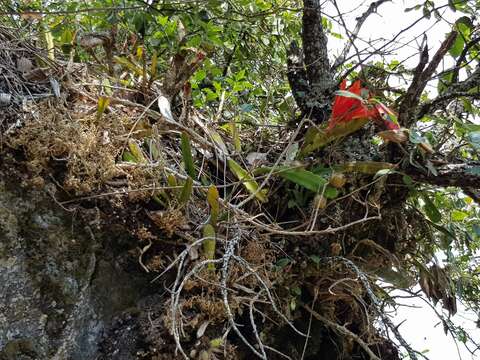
x=358, y=106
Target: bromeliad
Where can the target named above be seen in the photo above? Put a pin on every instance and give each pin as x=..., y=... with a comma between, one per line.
x=355, y=103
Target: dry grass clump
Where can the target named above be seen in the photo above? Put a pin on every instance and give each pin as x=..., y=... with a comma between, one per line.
x=87, y=148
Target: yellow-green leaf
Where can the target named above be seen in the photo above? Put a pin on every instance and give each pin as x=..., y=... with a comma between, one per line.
x=50, y=44
x=366, y=167
x=217, y=342
x=212, y=198
x=236, y=137
x=103, y=102
x=129, y=64
x=316, y=138
x=137, y=152
x=153, y=67
x=209, y=244
x=458, y=215
x=128, y=156
x=187, y=155
x=250, y=184
x=187, y=191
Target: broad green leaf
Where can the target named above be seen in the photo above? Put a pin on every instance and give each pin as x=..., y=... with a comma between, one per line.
x=137, y=152
x=250, y=184
x=457, y=46
x=304, y=178
x=212, y=199
x=187, y=191
x=187, y=155
x=128, y=156
x=317, y=138
x=458, y=215
x=209, y=244
x=430, y=209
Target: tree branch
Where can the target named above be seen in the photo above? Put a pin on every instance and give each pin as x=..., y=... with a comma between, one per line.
x=315, y=51
x=297, y=76
x=360, y=20
x=465, y=176
x=459, y=89
x=410, y=102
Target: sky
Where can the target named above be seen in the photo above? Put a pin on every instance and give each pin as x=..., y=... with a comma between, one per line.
x=420, y=326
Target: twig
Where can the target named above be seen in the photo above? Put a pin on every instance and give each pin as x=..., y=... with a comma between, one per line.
x=343, y=330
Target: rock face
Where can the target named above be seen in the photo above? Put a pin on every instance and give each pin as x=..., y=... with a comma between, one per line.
x=60, y=288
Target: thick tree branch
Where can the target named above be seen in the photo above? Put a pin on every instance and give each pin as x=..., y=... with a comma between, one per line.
x=410, y=102
x=315, y=51
x=297, y=76
x=459, y=89
x=465, y=176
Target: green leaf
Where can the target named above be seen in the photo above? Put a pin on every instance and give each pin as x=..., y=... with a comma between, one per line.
x=416, y=138
x=458, y=215
x=457, y=46
x=474, y=139
x=281, y=263
x=187, y=191
x=212, y=199
x=209, y=244
x=316, y=138
x=407, y=180
x=250, y=184
x=431, y=210
x=330, y=192
x=103, y=102
x=137, y=152
x=128, y=156
x=304, y=178
x=187, y=155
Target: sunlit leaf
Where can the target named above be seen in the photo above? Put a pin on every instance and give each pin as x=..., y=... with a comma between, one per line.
x=316, y=138
x=458, y=215
x=250, y=184
x=209, y=244
x=212, y=199
x=137, y=152
x=103, y=102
